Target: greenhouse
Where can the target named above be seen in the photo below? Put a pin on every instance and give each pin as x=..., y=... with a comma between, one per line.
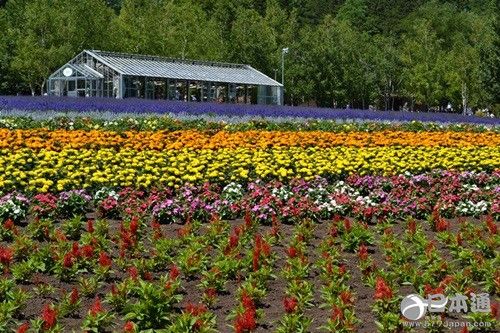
x=119, y=75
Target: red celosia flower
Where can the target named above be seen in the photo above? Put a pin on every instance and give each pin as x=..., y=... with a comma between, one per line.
x=168, y=285
x=104, y=260
x=248, y=218
x=429, y=248
x=74, y=296
x=134, y=225
x=156, y=229
x=428, y=290
x=292, y=251
x=49, y=317
x=290, y=304
x=363, y=252
x=346, y=297
x=96, y=307
x=185, y=230
x=6, y=255
x=258, y=242
x=247, y=301
x=494, y=309
x=68, y=260
x=446, y=281
x=382, y=290
x=255, y=259
x=174, y=272
x=114, y=290
x=90, y=225
x=441, y=224
x=75, y=249
x=233, y=241
x=342, y=269
x=329, y=268
x=464, y=330
x=23, y=328
x=198, y=324
x=490, y=223
x=211, y=293
x=59, y=234
x=347, y=225
x=266, y=248
x=245, y=321
x=412, y=226
x=195, y=310
x=337, y=314
x=334, y=231
x=87, y=251
x=133, y=272
x=129, y=327
x=9, y=225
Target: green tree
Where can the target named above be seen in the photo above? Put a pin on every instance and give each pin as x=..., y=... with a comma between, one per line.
x=46, y=33
x=443, y=55
x=167, y=28
x=253, y=41
x=422, y=60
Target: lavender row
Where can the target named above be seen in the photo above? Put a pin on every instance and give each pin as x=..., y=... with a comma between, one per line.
x=140, y=106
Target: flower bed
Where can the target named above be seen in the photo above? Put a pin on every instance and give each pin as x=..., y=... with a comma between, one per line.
x=284, y=257
x=135, y=224
x=141, y=106
x=41, y=160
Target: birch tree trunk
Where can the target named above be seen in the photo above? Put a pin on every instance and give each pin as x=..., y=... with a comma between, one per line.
x=464, y=98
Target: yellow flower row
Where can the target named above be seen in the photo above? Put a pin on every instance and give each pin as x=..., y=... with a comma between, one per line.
x=44, y=170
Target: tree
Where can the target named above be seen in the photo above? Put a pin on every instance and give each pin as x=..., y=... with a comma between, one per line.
x=443, y=55
x=41, y=42
x=387, y=78
x=354, y=12
x=180, y=30
x=252, y=40
x=46, y=33
x=422, y=60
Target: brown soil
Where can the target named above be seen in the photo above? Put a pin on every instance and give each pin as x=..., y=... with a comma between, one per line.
x=272, y=304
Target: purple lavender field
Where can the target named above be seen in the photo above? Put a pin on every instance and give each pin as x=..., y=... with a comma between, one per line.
x=141, y=106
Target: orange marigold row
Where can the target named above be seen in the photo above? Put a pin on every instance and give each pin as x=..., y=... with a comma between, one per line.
x=60, y=139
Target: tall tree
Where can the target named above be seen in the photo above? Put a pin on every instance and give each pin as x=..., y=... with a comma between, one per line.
x=252, y=40
x=168, y=28
x=46, y=33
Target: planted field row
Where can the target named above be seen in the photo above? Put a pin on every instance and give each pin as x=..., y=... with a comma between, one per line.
x=45, y=170
x=302, y=257
x=64, y=139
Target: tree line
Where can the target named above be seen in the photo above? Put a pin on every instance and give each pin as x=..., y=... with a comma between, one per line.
x=388, y=54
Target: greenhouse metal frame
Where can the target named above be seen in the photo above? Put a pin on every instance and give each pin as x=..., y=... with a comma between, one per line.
x=121, y=75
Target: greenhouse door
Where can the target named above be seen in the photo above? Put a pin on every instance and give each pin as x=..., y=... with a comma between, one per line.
x=70, y=90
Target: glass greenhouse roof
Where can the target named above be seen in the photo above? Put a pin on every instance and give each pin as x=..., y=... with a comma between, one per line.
x=153, y=66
